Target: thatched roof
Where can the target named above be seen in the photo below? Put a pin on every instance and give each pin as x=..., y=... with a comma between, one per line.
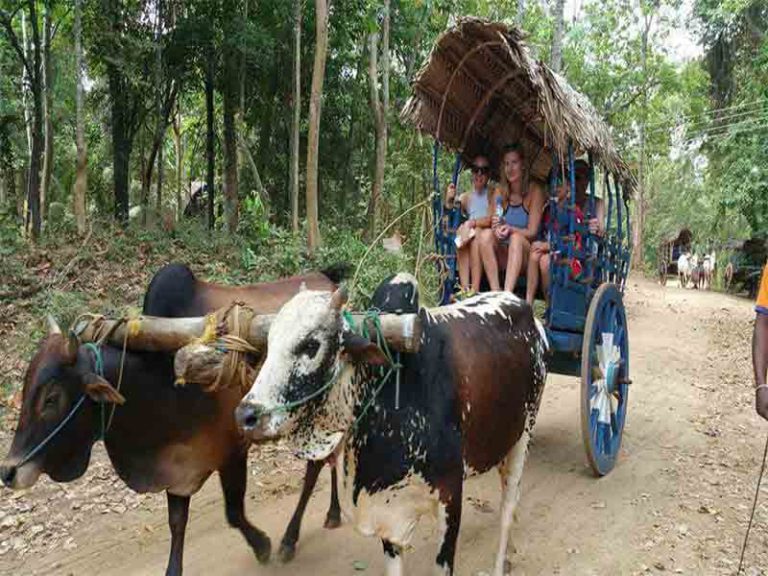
x=480, y=89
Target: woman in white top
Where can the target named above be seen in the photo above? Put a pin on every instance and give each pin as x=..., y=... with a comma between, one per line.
x=476, y=204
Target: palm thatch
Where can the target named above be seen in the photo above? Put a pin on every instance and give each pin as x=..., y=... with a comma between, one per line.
x=480, y=89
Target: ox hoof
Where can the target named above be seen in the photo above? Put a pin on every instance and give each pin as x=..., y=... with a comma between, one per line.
x=263, y=551
x=332, y=521
x=287, y=552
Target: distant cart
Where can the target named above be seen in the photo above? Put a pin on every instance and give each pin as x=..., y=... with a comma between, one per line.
x=479, y=90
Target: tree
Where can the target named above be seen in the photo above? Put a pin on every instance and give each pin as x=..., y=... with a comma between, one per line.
x=33, y=69
x=380, y=108
x=48, y=89
x=556, y=54
x=81, y=177
x=295, y=117
x=315, y=109
x=229, y=89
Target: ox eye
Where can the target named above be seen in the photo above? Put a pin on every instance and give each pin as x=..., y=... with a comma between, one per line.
x=51, y=400
x=308, y=348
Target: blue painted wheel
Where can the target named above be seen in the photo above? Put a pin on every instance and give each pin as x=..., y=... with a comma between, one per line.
x=604, y=378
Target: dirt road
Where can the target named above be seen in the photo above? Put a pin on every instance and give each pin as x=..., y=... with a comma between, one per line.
x=677, y=502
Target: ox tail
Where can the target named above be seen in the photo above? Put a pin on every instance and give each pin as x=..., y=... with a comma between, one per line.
x=542, y=333
x=337, y=272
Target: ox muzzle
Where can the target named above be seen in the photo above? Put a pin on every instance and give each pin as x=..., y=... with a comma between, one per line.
x=257, y=421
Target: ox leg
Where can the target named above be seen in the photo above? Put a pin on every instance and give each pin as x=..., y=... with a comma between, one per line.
x=333, y=518
x=178, y=514
x=233, y=479
x=291, y=536
x=393, y=558
x=511, y=471
x=450, y=522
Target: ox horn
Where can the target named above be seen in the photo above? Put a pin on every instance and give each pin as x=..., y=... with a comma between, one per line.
x=339, y=298
x=53, y=327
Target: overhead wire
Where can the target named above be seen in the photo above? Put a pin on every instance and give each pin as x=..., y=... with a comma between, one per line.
x=727, y=119
x=755, y=104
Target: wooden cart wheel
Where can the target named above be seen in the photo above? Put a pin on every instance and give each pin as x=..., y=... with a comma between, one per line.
x=604, y=378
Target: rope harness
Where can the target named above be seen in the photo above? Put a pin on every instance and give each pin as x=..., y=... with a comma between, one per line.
x=226, y=332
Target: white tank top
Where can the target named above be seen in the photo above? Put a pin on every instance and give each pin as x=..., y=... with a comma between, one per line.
x=477, y=207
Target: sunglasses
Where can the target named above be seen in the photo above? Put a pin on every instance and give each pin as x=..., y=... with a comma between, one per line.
x=482, y=170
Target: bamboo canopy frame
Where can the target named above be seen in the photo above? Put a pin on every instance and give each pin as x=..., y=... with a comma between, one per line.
x=480, y=90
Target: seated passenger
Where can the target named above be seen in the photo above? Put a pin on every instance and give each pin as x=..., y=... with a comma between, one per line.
x=507, y=243
x=539, y=259
x=476, y=205
x=596, y=221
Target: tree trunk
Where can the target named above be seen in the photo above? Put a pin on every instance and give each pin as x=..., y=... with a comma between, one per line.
x=26, y=82
x=159, y=101
x=33, y=181
x=209, y=150
x=296, y=117
x=520, y=16
x=145, y=175
x=230, y=140
x=48, y=84
x=315, y=110
x=639, y=212
x=121, y=152
x=179, y=162
x=81, y=175
x=556, y=55
x=380, y=107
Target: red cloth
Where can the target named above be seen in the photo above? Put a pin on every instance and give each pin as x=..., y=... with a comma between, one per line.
x=562, y=220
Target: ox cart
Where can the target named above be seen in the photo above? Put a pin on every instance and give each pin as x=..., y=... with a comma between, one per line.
x=481, y=90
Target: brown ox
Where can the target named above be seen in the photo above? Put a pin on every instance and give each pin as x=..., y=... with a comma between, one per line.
x=161, y=437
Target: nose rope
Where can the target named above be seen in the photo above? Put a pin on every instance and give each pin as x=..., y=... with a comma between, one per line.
x=37, y=449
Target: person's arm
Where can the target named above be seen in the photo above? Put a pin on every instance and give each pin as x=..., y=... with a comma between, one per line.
x=760, y=347
x=597, y=222
x=485, y=221
x=760, y=363
x=450, y=196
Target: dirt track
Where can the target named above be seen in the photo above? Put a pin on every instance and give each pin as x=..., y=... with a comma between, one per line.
x=677, y=502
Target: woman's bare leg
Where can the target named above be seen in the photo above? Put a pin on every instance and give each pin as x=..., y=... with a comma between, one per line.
x=532, y=278
x=463, y=255
x=476, y=264
x=544, y=269
x=517, y=258
x=487, y=242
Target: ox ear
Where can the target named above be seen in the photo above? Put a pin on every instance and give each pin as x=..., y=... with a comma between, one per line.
x=72, y=345
x=101, y=391
x=360, y=349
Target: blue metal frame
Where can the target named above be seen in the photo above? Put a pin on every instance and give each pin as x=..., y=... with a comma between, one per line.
x=446, y=223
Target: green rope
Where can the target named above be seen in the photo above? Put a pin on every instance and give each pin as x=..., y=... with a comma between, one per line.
x=99, y=361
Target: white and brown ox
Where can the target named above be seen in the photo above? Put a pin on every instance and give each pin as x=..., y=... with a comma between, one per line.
x=466, y=403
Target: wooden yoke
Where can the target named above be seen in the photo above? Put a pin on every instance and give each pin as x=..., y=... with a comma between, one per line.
x=150, y=333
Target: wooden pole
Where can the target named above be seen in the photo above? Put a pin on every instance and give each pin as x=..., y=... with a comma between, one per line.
x=149, y=333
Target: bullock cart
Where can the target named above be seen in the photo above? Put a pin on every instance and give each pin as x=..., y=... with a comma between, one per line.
x=481, y=90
